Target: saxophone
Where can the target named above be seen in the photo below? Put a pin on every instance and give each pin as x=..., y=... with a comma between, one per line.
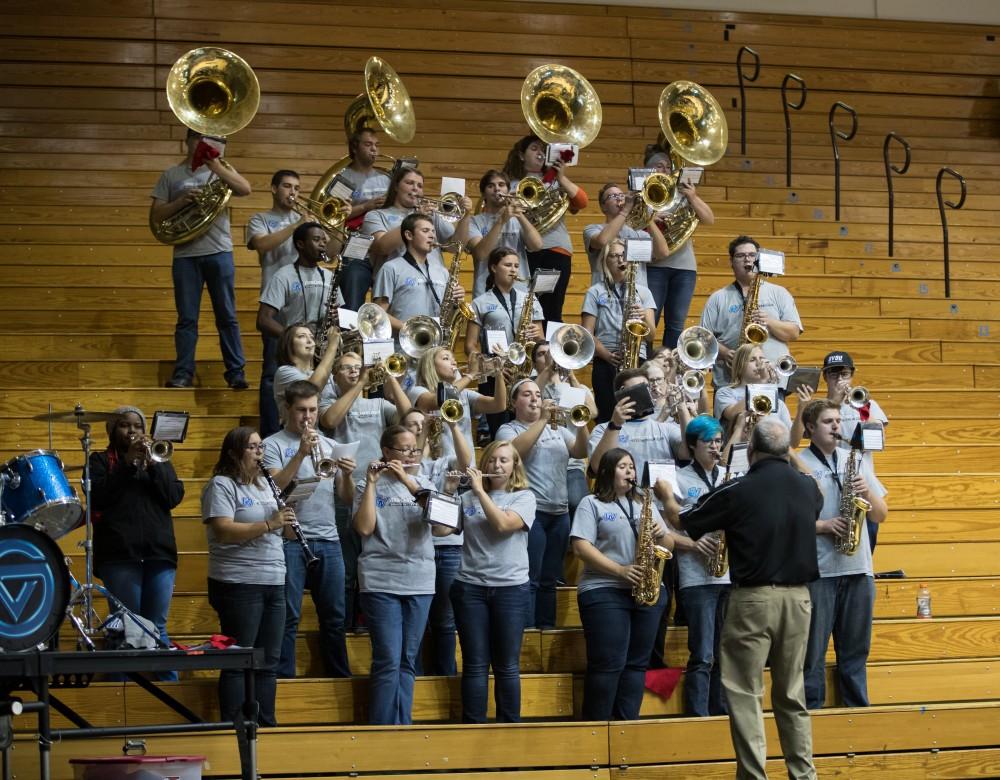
x=521, y=342
x=752, y=332
x=633, y=331
x=453, y=312
x=718, y=564
x=853, y=507
x=332, y=317
x=650, y=557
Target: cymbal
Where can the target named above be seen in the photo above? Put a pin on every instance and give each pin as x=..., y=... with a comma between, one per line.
x=78, y=415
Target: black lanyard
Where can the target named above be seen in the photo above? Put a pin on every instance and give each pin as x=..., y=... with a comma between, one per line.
x=630, y=514
x=305, y=303
x=822, y=459
x=426, y=274
x=696, y=467
x=513, y=302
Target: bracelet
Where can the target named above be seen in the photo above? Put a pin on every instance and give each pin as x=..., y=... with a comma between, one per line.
x=613, y=427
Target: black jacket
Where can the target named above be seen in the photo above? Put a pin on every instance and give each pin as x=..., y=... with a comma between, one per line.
x=134, y=506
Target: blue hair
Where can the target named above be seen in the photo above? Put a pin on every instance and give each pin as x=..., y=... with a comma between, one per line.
x=704, y=427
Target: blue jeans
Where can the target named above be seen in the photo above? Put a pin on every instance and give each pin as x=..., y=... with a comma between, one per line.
x=547, y=542
x=145, y=589
x=872, y=534
x=350, y=549
x=491, y=626
x=396, y=625
x=326, y=586
x=841, y=606
x=253, y=615
x=576, y=488
x=269, y=422
x=672, y=290
x=619, y=635
x=191, y=274
x=448, y=560
x=355, y=281
x=705, y=606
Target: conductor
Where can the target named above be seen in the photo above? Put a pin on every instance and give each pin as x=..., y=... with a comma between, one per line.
x=769, y=518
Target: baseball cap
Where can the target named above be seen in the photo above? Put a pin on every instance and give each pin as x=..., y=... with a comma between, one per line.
x=837, y=360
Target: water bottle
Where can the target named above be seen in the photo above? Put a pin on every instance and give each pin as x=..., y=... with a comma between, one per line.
x=923, y=601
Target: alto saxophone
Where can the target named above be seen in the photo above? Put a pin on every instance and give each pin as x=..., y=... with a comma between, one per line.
x=853, y=507
x=332, y=317
x=453, y=312
x=633, y=331
x=650, y=557
x=752, y=332
x=523, y=369
x=718, y=564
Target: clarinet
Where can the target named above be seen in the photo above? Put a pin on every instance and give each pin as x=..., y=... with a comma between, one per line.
x=311, y=560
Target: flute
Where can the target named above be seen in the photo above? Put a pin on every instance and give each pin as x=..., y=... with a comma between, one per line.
x=463, y=478
x=311, y=560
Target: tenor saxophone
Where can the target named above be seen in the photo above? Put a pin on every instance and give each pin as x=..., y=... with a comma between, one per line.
x=453, y=312
x=633, y=331
x=853, y=507
x=650, y=557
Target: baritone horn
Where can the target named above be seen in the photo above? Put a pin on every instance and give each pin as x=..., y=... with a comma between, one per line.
x=215, y=93
x=572, y=347
x=448, y=206
x=786, y=365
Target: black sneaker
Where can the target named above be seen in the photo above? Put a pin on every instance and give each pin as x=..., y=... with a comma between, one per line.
x=179, y=380
x=238, y=382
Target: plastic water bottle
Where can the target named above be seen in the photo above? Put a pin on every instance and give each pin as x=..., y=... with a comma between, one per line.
x=923, y=601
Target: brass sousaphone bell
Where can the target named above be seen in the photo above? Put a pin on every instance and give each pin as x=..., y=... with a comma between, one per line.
x=214, y=92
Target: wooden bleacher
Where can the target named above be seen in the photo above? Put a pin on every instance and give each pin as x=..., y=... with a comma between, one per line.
x=87, y=314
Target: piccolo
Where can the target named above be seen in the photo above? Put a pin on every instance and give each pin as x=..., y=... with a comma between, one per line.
x=463, y=478
x=311, y=559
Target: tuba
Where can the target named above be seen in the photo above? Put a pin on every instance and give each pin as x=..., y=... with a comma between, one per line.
x=560, y=106
x=694, y=126
x=650, y=557
x=213, y=92
x=383, y=106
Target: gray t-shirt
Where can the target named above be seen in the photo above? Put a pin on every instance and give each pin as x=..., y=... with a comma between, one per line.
x=546, y=464
x=315, y=514
x=692, y=563
x=594, y=254
x=606, y=306
x=384, y=220
x=364, y=423
x=730, y=394
x=399, y=556
x=172, y=184
x=259, y=561
x=510, y=237
x=301, y=294
x=407, y=288
x=366, y=185
x=468, y=399
x=606, y=526
x=493, y=312
x=287, y=374
x=831, y=562
x=283, y=254
x=681, y=259
x=723, y=315
x=558, y=236
x=645, y=439
x=850, y=418
x=490, y=558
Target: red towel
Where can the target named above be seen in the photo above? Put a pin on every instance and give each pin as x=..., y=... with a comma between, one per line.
x=663, y=681
x=207, y=149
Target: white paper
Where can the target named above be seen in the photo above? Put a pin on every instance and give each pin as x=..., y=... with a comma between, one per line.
x=302, y=490
x=341, y=188
x=738, y=461
x=691, y=176
x=452, y=184
x=771, y=261
x=443, y=510
x=550, y=328
x=554, y=153
x=872, y=437
x=375, y=351
x=663, y=469
x=570, y=396
x=494, y=339
x=348, y=319
x=344, y=450
x=546, y=280
x=169, y=426
x=771, y=391
x=357, y=247
x=639, y=250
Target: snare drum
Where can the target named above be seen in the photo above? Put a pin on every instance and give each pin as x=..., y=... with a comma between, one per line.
x=39, y=495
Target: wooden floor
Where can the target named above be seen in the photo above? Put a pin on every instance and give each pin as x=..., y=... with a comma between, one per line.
x=87, y=310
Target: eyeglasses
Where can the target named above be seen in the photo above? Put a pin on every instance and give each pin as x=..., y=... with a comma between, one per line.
x=255, y=447
x=351, y=369
x=620, y=256
x=745, y=256
x=410, y=451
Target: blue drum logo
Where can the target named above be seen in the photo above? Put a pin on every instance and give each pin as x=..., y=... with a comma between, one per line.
x=27, y=589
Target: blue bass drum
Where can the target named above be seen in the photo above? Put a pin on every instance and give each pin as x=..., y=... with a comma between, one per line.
x=34, y=588
x=38, y=494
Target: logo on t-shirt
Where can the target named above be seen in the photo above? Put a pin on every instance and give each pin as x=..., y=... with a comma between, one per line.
x=246, y=501
x=272, y=224
x=380, y=501
x=623, y=438
x=410, y=281
x=603, y=299
x=491, y=307
x=470, y=511
x=693, y=492
x=290, y=452
x=609, y=517
x=735, y=307
x=296, y=287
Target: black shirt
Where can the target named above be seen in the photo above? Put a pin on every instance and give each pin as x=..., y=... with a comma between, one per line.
x=769, y=516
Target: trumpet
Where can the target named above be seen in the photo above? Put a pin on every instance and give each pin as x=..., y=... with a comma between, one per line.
x=394, y=365
x=452, y=410
x=786, y=365
x=448, y=207
x=156, y=450
x=858, y=397
x=517, y=200
x=693, y=382
x=323, y=467
x=464, y=479
x=577, y=416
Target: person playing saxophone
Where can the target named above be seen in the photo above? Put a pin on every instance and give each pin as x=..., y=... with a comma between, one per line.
x=843, y=597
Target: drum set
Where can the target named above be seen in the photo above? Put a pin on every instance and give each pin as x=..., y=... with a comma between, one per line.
x=37, y=507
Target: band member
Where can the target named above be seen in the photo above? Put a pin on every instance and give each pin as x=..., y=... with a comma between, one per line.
x=269, y=234
x=603, y=314
x=437, y=366
x=296, y=352
x=291, y=455
x=246, y=566
x=671, y=279
x=300, y=292
x=347, y=416
x=490, y=594
x=396, y=571
x=498, y=309
x=703, y=595
x=208, y=260
x=618, y=631
x=369, y=188
x=749, y=366
x=402, y=199
x=723, y=313
x=415, y=282
x=545, y=453
x=502, y=223
x=768, y=517
x=843, y=598
x=134, y=548
x=527, y=158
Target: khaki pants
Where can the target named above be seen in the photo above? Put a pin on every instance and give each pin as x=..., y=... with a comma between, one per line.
x=767, y=622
